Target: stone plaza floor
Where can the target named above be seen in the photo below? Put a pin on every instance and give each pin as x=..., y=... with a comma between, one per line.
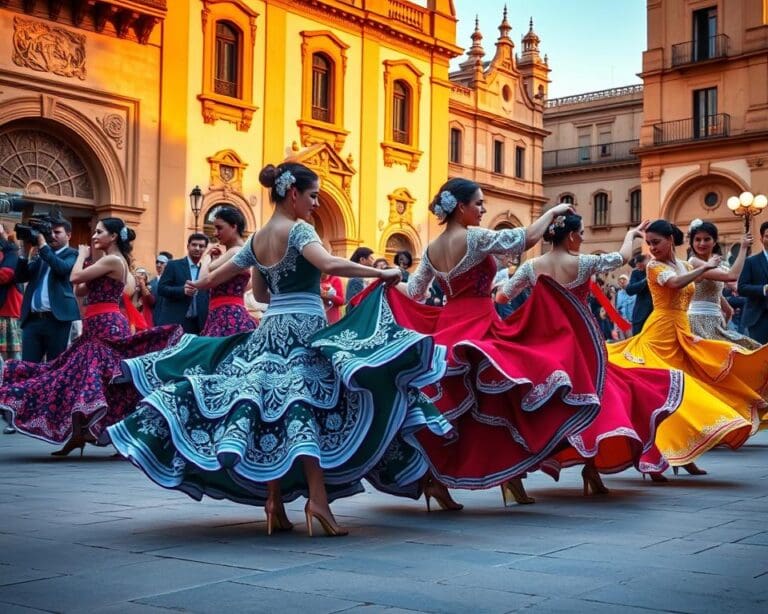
x=92, y=534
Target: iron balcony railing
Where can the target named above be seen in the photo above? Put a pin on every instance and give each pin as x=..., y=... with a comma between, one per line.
x=699, y=50
x=692, y=129
x=590, y=154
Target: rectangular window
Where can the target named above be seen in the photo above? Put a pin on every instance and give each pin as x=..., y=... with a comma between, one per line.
x=635, y=207
x=704, y=33
x=604, y=138
x=601, y=209
x=455, y=145
x=226, y=75
x=584, y=136
x=400, y=113
x=705, y=120
x=498, y=156
x=520, y=162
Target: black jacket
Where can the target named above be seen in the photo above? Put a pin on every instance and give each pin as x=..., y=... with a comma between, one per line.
x=62, y=297
x=175, y=303
x=638, y=287
x=754, y=276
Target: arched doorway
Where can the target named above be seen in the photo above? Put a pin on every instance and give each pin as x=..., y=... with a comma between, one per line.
x=328, y=221
x=398, y=242
x=45, y=162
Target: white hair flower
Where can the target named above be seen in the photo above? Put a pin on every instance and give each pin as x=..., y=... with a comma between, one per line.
x=124, y=233
x=283, y=182
x=447, y=204
x=694, y=225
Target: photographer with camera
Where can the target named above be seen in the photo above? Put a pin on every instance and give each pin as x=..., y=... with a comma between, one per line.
x=49, y=306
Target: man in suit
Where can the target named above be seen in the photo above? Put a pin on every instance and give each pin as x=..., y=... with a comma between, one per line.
x=49, y=306
x=187, y=307
x=163, y=258
x=753, y=285
x=638, y=287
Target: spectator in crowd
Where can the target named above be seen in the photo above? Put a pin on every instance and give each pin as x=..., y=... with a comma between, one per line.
x=364, y=256
x=49, y=306
x=163, y=258
x=10, y=305
x=507, y=266
x=638, y=287
x=381, y=263
x=625, y=304
x=142, y=295
x=731, y=294
x=404, y=260
x=181, y=305
x=332, y=293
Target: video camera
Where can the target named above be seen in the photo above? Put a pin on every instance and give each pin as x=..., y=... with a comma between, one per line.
x=37, y=223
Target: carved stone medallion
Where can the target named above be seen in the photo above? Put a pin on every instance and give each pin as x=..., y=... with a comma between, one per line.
x=113, y=126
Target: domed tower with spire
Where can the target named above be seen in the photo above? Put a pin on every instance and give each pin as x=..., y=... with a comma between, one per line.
x=535, y=71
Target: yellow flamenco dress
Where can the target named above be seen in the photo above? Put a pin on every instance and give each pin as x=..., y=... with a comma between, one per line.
x=723, y=400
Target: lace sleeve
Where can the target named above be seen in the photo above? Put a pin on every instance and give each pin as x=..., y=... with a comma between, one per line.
x=522, y=279
x=245, y=258
x=302, y=234
x=420, y=281
x=510, y=241
x=600, y=263
x=659, y=273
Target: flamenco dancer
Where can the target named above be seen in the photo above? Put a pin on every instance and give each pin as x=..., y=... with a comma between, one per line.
x=263, y=417
x=722, y=402
x=512, y=393
x=705, y=313
x=227, y=314
x=634, y=401
x=69, y=399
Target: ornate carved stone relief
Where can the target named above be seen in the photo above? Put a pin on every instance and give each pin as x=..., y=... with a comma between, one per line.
x=43, y=48
x=400, y=206
x=227, y=170
x=113, y=126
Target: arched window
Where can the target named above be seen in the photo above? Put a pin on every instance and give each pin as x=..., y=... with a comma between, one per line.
x=567, y=198
x=601, y=209
x=227, y=77
x=635, y=207
x=455, y=145
x=401, y=112
x=322, y=84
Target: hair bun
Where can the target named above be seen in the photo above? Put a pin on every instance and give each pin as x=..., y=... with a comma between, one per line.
x=677, y=235
x=131, y=234
x=268, y=175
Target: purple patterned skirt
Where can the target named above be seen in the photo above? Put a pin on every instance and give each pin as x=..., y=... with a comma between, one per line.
x=227, y=315
x=43, y=397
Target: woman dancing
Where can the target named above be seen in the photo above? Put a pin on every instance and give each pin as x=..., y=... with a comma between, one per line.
x=634, y=401
x=512, y=394
x=69, y=399
x=722, y=402
x=705, y=313
x=227, y=314
x=263, y=417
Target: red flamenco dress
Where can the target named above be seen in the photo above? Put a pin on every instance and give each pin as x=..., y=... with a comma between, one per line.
x=227, y=314
x=44, y=397
x=634, y=401
x=514, y=390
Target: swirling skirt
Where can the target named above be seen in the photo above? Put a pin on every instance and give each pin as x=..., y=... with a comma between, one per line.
x=222, y=417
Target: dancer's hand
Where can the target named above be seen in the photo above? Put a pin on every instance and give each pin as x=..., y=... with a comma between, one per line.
x=190, y=288
x=639, y=231
x=560, y=209
x=391, y=277
x=714, y=262
x=747, y=240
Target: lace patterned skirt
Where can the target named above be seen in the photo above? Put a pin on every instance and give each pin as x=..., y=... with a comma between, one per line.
x=711, y=327
x=223, y=416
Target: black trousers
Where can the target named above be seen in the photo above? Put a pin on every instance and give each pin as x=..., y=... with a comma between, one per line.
x=44, y=338
x=759, y=330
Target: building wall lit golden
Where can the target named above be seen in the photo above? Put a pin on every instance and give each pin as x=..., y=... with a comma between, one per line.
x=137, y=101
x=704, y=135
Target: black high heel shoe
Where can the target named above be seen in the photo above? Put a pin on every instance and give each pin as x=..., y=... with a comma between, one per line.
x=514, y=490
x=657, y=477
x=690, y=468
x=72, y=444
x=593, y=481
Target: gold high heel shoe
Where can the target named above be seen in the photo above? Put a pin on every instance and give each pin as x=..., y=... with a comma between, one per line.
x=276, y=518
x=329, y=525
x=514, y=489
x=593, y=481
x=691, y=468
x=438, y=492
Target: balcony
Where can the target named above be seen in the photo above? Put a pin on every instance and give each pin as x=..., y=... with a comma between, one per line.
x=692, y=129
x=590, y=155
x=692, y=52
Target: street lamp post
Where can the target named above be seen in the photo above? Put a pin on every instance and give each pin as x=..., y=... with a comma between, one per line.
x=196, y=203
x=747, y=205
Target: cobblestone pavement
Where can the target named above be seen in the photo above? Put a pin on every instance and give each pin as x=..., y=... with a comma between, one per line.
x=92, y=534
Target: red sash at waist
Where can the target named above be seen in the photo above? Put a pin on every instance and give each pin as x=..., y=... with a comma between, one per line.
x=97, y=309
x=220, y=301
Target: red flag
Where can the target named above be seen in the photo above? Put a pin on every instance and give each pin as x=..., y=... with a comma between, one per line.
x=610, y=310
